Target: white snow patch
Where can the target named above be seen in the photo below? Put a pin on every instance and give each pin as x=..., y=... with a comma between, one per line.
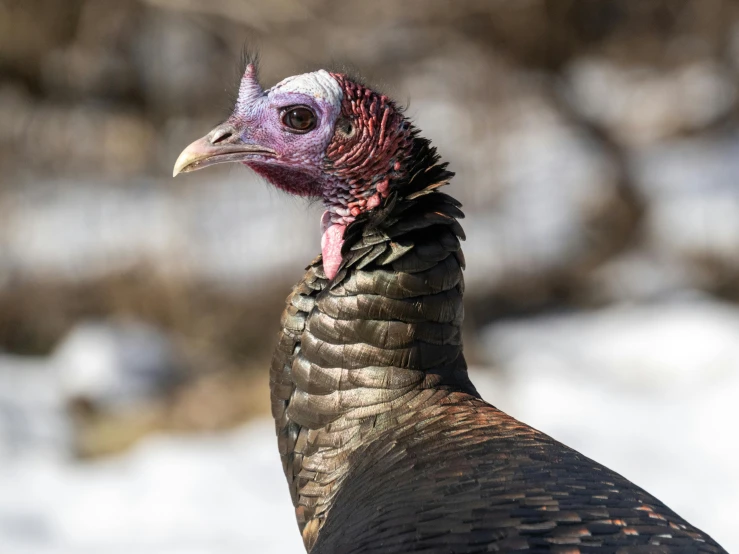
x=649, y=391
x=226, y=230
x=222, y=494
x=32, y=412
x=115, y=364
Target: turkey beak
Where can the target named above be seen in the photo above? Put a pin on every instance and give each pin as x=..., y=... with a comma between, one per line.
x=222, y=144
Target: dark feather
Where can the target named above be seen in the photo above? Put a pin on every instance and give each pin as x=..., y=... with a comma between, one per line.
x=386, y=445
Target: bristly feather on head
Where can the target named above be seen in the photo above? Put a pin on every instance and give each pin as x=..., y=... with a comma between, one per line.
x=321, y=135
x=249, y=55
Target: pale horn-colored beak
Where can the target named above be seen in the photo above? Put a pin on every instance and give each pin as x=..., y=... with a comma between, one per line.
x=221, y=145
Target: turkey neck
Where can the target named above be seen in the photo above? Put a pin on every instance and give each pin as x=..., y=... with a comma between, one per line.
x=362, y=352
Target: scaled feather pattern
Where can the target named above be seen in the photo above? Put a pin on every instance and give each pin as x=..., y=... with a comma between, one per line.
x=385, y=443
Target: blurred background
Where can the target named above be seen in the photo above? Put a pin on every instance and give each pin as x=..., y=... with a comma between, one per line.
x=596, y=146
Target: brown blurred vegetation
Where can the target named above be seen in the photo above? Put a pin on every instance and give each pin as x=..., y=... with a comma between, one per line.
x=100, y=86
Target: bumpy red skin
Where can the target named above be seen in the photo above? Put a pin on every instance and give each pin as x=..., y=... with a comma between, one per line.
x=353, y=173
x=363, y=165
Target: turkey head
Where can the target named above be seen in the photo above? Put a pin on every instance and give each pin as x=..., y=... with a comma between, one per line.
x=320, y=135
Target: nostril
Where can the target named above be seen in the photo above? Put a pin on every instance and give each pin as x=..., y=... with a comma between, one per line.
x=221, y=135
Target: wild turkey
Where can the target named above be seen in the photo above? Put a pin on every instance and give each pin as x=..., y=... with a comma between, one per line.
x=386, y=444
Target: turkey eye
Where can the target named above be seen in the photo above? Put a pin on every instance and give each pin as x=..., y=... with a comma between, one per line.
x=299, y=118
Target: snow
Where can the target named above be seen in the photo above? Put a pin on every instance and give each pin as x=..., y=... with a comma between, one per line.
x=187, y=495
x=648, y=390
x=31, y=407
x=113, y=364
x=215, y=230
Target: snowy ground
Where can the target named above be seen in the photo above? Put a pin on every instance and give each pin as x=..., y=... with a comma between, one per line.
x=650, y=391
x=647, y=390
x=222, y=494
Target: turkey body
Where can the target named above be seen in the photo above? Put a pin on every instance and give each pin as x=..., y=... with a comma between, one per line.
x=493, y=485
x=386, y=444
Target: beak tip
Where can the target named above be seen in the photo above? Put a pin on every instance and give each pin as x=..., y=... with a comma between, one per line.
x=182, y=163
x=203, y=153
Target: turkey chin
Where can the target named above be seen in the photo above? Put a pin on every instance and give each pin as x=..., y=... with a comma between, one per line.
x=332, y=240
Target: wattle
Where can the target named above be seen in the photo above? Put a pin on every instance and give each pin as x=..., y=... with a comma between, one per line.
x=331, y=242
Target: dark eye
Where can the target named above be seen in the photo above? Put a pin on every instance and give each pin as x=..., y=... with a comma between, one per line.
x=299, y=118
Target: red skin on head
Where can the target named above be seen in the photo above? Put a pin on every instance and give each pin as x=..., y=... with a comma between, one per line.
x=364, y=162
x=360, y=164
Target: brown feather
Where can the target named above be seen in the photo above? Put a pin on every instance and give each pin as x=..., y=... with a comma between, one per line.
x=385, y=443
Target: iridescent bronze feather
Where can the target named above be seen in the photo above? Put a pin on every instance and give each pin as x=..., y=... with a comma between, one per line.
x=386, y=444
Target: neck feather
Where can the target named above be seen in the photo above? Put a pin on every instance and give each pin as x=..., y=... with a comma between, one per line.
x=379, y=340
